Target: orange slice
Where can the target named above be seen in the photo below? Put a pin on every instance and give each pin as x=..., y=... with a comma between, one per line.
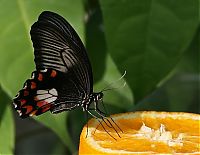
x=143, y=133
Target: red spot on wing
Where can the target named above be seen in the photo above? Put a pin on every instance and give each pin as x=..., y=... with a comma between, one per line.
x=28, y=109
x=46, y=108
x=42, y=103
x=40, y=77
x=22, y=101
x=35, y=98
x=33, y=85
x=53, y=73
x=33, y=112
x=26, y=93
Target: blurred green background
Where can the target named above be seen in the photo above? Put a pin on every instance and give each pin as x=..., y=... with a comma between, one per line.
x=155, y=41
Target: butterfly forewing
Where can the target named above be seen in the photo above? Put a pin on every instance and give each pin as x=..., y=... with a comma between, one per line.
x=57, y=46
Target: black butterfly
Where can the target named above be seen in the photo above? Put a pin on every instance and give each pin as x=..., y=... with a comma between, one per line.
x=63, y=78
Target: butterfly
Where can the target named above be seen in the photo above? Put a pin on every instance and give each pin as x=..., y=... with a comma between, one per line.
x=63, y=78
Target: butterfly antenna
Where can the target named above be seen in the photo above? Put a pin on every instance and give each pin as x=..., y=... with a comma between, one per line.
x=109, y=87
x=112, y=88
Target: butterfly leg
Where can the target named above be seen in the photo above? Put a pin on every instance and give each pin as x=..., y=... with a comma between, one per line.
x=102, y=113
x=100, y=122
x=104, y=119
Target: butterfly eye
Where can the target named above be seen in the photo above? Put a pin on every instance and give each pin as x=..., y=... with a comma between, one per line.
x=101, y=95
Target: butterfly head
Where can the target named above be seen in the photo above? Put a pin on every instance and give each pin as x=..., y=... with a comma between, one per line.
x=99, y=96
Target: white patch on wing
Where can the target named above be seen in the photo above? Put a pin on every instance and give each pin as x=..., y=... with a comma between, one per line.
x=30, y=114
x=49, y=100
x=47, y=95
x=15, y=105
x=16, y=96
x=33, y=76
x=42, y=92
x=20, y=113
x=53, y=92
x=44, y=70
x=25, y=86
x=43, y=96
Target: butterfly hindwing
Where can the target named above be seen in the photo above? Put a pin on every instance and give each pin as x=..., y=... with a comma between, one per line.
x=37, y=96
x=47, y=90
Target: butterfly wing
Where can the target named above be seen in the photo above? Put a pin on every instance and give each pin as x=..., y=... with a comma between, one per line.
x=64, y=73
x=57, y=46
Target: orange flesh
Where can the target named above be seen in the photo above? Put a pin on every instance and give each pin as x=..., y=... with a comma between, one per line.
x=149, y=133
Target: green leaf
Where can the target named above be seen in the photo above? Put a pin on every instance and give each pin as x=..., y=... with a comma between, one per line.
x=6, y=125
x=180, y=92
x=186, y=81
x=16, y=61
x=190, y=61
x=58, y=124
x=148, y=38
x=58, y=149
